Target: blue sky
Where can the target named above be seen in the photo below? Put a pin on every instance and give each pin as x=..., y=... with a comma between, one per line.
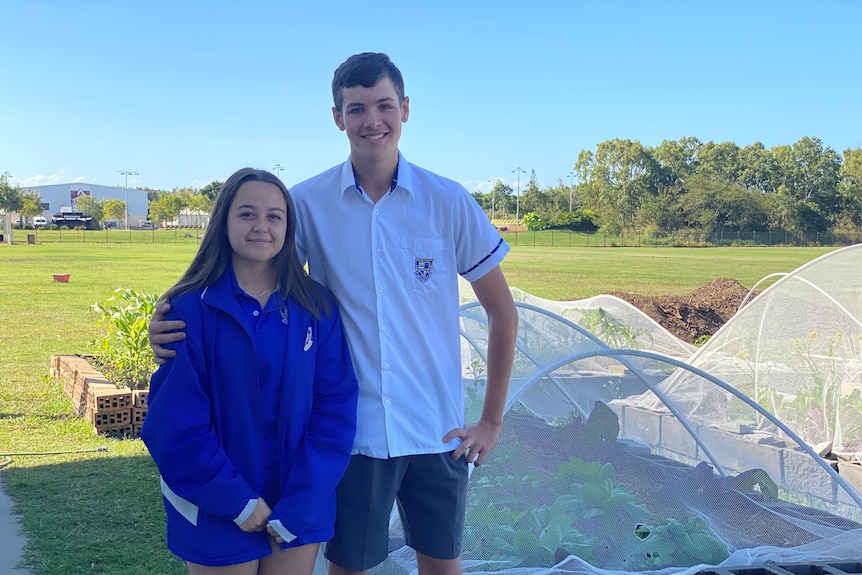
x=187, y=92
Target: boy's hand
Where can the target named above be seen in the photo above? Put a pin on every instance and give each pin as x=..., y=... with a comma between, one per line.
x=162, y=332
x=477, y=440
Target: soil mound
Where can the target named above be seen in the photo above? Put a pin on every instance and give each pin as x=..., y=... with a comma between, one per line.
x=693, y=316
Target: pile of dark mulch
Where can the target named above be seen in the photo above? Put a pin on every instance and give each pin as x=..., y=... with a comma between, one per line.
x=693, y=316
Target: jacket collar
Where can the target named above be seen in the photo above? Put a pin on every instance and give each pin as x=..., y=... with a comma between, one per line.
x=222, y=294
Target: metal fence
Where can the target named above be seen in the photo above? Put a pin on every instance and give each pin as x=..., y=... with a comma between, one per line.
x=560, y=238
x=566, y=238
x=109, y=236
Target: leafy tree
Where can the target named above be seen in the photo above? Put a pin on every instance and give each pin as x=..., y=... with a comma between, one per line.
x=710, y=205
x=90, y=206
x=32, y=204
x=809, y=181
x=11, y=201
x=153, y=193
x=580, y=220
x=158, y=209
x=758, y=169
x=546, y=202
x=584, y=165
x=114, y=209
x=621, y=176
x=503, y=196
x=211, y=190
x=484, y=200
x=850, y=187
x=663, y=211
x=677, y=159
x=168, y=206
x=719, y=162
x=202, y=204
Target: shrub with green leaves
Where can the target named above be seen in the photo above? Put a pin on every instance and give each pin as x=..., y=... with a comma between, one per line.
x=582, y=510
x=124, y=353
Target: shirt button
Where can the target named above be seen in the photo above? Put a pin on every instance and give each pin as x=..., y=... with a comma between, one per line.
x=380, y=290
x=386, y=402
x=386, y=366
x=376, y=212
x=255, y=313
x=384, y=328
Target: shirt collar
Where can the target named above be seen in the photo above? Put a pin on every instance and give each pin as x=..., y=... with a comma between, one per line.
x=403, y=177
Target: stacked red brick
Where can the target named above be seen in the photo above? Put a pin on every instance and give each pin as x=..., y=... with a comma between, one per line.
x=111, y=410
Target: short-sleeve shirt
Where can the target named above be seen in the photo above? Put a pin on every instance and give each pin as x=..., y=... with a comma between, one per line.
x=393, y=266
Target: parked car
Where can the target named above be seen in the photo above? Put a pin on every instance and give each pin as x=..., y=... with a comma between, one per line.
x=40, y=221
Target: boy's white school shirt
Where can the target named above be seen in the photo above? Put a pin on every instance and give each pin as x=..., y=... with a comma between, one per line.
x=393, y=266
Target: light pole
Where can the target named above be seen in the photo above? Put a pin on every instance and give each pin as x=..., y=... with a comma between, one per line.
x=571, y=187
x=127, y=173
x=278, y=170
x=519, y=171
x=493, y=194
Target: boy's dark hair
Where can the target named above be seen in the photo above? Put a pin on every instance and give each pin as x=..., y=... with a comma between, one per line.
x=365, y=70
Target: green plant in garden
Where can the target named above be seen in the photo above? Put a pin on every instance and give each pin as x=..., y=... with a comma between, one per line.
x=822, y=402
x=673, y=543
x=124, y=353
x=582, y=510
x=820, y=407
x=613, y=332
x=474, y=391
x=701, y=340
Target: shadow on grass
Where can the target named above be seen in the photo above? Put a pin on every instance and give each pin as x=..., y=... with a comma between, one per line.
x=92, y=514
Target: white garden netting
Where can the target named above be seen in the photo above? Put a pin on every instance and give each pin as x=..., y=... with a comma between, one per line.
x=626, y=450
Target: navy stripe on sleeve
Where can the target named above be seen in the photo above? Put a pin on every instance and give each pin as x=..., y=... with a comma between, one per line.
x=483, y=260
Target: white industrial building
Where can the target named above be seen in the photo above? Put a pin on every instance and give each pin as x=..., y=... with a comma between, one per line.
x=62, y=197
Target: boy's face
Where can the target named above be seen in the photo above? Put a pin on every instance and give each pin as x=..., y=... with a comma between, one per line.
x=372, y=119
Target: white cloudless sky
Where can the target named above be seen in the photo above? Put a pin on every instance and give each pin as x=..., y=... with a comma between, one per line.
x=186, y=92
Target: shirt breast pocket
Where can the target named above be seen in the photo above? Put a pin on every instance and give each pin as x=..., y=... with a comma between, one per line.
x=426, y=264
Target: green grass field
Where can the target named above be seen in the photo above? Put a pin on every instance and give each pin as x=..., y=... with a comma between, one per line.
x=100, y=512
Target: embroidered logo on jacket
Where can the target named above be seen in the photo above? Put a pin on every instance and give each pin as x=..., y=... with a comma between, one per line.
x=423, y=269
x=308, y=340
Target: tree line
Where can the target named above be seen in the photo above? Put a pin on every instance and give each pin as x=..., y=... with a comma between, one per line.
x=623, y=186
x=687, y=184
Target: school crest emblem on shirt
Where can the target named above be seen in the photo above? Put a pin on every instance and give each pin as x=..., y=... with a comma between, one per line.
x=422, y=270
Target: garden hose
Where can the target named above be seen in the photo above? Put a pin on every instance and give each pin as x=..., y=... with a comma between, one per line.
x=9, y=456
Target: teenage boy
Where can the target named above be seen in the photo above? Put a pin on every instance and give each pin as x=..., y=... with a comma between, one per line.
x=390, y=239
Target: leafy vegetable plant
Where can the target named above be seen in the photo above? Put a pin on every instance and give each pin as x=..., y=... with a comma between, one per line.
x=124, y=354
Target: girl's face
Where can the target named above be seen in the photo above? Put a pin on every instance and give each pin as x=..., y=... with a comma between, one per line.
x=257, y=222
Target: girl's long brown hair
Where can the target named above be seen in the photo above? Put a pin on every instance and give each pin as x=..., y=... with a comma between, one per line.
x=215, y=251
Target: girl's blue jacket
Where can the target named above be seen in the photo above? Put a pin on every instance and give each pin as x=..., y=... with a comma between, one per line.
x=205, y=434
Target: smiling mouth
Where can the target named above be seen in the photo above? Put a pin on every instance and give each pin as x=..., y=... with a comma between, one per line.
x=374, y=137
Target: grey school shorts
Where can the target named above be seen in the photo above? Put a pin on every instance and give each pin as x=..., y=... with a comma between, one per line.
x=431, y=493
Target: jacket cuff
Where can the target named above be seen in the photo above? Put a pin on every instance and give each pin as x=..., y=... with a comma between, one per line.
x=282, y=530
x=246, y=512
